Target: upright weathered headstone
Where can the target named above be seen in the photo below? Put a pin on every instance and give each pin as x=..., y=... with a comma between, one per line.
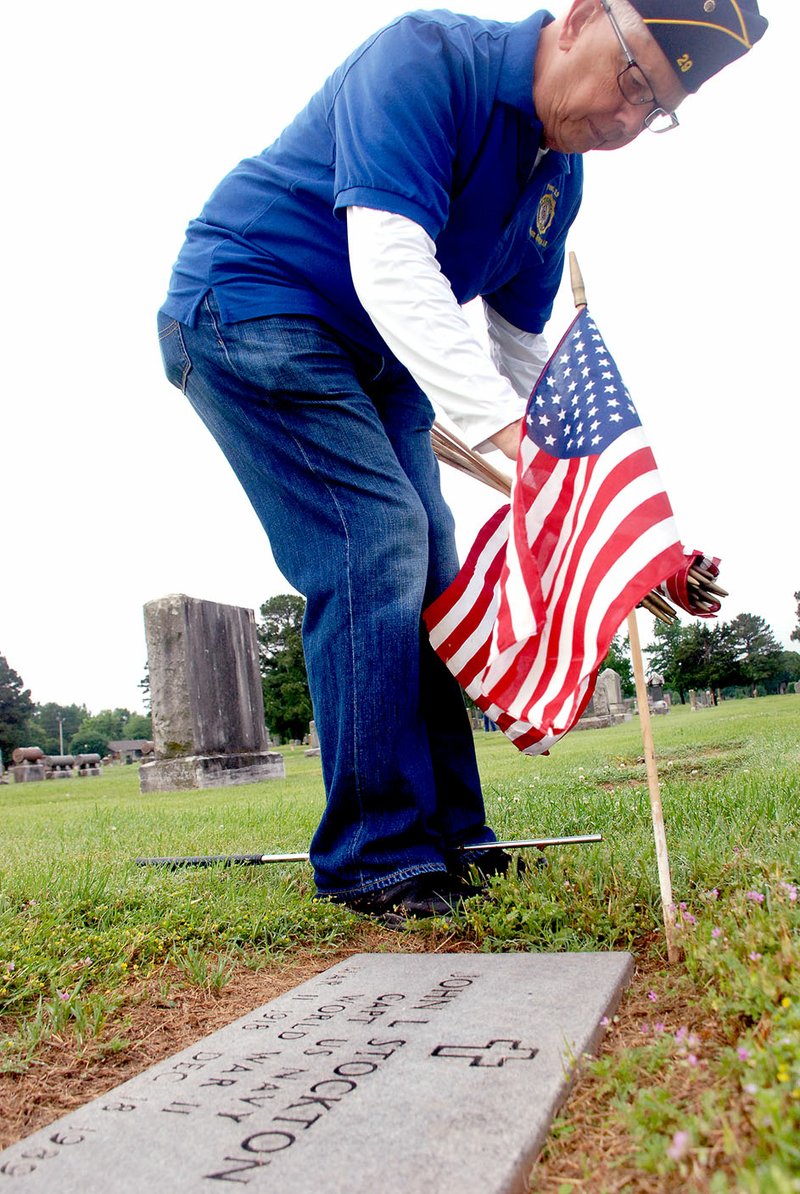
x=606, y=707
x=313, y=749
x=655, y=688
x=610, y=681
x=206, y=697
x=403, y=1073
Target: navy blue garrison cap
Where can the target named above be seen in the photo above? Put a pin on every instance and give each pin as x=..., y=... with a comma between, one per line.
x=699, y=37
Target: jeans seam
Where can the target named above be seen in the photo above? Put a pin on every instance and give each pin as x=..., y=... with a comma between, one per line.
x=187, y=366
x=299, y=447
x=357, y=838
x=173, y=328
x=220, y=340
x=409, y=872
x=168, y=329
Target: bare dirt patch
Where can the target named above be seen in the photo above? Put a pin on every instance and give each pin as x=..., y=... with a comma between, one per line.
x=597, y=1155
x=63, y=1075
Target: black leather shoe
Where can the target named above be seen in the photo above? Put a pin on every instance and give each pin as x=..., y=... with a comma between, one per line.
x=488, y=863
x=434, y=894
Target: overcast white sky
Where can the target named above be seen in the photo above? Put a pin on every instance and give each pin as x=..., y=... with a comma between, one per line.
x=119, y=121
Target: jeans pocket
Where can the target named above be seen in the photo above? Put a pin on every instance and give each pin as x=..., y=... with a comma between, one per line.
x=177, y=364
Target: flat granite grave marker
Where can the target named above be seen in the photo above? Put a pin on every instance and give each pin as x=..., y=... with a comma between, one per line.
x=406, y=1073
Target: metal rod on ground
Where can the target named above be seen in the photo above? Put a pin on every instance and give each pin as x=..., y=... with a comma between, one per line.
x=538, y=843
x=657, y=813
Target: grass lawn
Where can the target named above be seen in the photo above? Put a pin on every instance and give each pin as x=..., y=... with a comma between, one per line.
x=106, y=966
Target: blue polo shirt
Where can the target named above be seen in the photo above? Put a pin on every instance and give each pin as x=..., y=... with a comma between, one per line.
x=431, y=118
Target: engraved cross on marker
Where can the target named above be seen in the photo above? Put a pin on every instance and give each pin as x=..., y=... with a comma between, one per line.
x=495, y=1053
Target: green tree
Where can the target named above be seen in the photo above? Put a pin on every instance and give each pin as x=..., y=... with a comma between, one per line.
x=287, y=701
x=144, y=684
x=53, y=724
x=139, y=726
x=708, y=657
x=788, y=667
x=663, y=655
x=758, y=650
x=16, y=708
x=795, y=635
x=619, y=658
x=95, y=732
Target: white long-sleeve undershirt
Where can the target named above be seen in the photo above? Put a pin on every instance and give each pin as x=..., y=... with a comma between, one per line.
x=400, y=284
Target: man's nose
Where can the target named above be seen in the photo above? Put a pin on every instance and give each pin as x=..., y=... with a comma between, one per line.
x=629, y=120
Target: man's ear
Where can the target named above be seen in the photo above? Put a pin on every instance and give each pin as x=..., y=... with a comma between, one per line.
x=579, y=13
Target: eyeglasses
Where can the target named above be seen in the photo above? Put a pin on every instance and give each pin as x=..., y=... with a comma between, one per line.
x=636, y=87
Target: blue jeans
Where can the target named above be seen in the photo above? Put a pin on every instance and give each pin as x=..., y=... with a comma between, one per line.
x=331, y=444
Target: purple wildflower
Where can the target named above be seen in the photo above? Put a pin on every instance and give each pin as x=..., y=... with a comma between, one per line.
x=679, y=1146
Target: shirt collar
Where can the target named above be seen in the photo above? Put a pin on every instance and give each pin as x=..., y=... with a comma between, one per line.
x=515, y=84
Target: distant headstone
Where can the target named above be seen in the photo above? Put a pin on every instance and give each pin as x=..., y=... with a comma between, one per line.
x=89, y=764
x=390, y=1072
x=206, y=697
x=313, y=749
x=28, y=764
x=59, y=766
x=606, y=707
x=27, y=773
x=609, y=681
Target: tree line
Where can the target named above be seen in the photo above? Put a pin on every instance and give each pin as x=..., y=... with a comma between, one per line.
x=736, y=657
x=59, y=729
x=739, y=657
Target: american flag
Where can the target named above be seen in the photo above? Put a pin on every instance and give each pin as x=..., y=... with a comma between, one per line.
x=551, y=577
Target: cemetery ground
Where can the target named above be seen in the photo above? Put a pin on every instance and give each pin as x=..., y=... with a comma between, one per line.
x=106, y=967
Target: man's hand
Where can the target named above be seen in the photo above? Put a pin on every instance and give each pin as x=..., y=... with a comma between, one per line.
x=508, y=439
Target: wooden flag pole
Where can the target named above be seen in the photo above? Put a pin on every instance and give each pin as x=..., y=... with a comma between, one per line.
x=656, y=810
